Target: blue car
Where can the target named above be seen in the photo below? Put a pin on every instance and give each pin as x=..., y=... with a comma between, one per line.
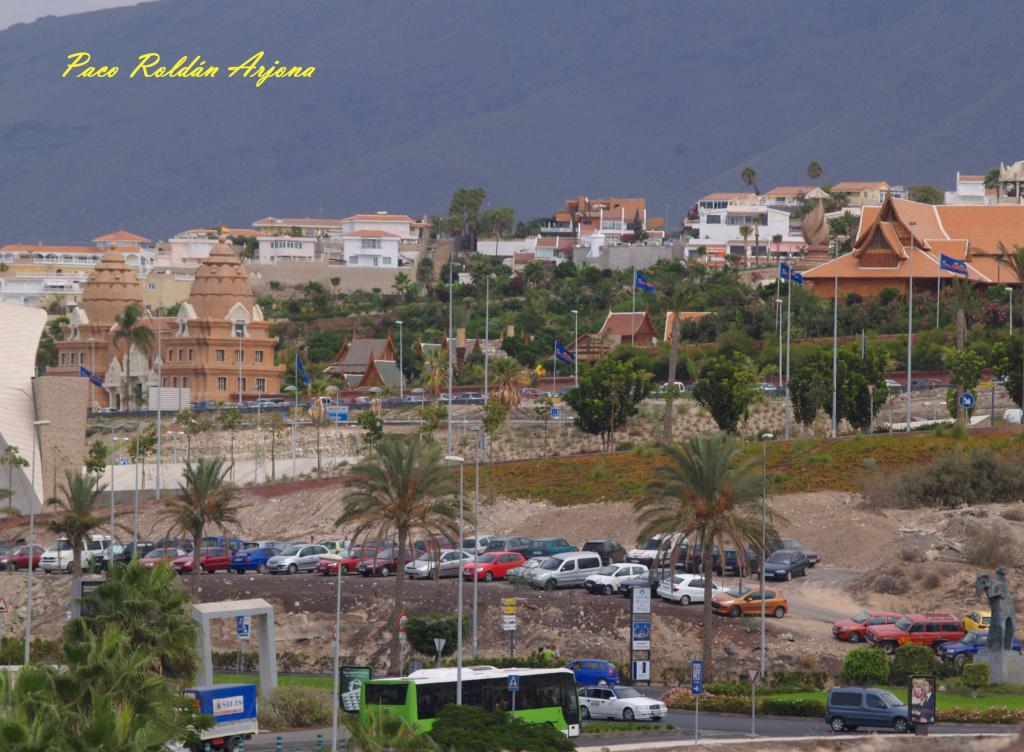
x=254, y=559
x=969, y=645
x=594, y=673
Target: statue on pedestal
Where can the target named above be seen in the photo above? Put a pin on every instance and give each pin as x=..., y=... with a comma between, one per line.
x=814, y=228
x=1002, y=624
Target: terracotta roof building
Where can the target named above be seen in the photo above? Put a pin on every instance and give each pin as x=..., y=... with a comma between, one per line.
x=883, y=253
x=625, y=328
x=685, y=317
x=356, y=355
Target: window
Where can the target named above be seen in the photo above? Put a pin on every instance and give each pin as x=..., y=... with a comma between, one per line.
x=257, y=356
x=376, y=260
x=239, y=330
x=222, y=383
x=190, y=355
x=165, y=381
x=874, y=701
x=151, y=286
x=713, y=219
x=241, y=384
x=916, y=628
x=184, y=382
x=81, y=358
x=845, y=699
x=389, y=694
x=219, y=356
x=174, y=381
x=261, y=385
x=181, y=355
x=370, y=243
x=74, y=355
x=63, y=358
x=239, y=356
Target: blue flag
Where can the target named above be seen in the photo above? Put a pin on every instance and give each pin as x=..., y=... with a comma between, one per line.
x=300, y=370
x=787, y=274
x=948, y=264
x=93, y=378
x=563, y=354
x=796, y=277
x=642, y=283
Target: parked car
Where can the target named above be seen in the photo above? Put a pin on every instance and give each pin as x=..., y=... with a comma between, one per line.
x=18, y=558
x=786, y=564
x=477, y=545
x=158, y=555
x=607, y=579
x=211, y=559
x=855, y=628
x=517, y=543
x=621, y=703
x=123, y=553
x=649, y=551
x=57, y=558
x=847, y=708
x=333, y=546
x=918, y=629
x=550, y=546
x=740, y=566
x=296, y=557
x=693, y=562
x=253, y=559
x=609, y=549
x=384, y=562
x=451, y=564
x=223, y=541
x=978, y=620
x=185, y=544
x=564, y=570
x=972, y=644
x=344, y=561
x=594, y=673
x=743, y=603
x=686, y=589
x=531, y=393
x=652, y=579
x=792, y=544
x=438, y=542
x=493, y=565
x=519, y=573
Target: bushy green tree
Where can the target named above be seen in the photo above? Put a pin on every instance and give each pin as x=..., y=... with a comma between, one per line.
x=727, y=389
x=811, y=385
x=421, y=631
x=866, y=666
x=373, y=429
x=913, y=660
x=608, y=395
x=98, y=457
x=965, y=369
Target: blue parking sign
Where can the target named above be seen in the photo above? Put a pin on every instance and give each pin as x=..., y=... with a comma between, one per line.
x=513, y=682
x=243, y=627
x=554, y=411
x=967, y=400
x=696, y=677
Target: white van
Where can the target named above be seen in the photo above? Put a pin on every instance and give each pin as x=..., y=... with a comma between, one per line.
x=57, y=558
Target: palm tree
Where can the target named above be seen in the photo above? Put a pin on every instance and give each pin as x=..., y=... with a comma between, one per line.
x=436, y=373
x=745, y=232
x=377, y=730
x=404, y=489
x=749, y=176
x=131, y=330
x=508, y=377
x=814, y=169
x=676, y=302
x=709, y=494
x=777, y=239
x=992, y=181
x=74, y=515
x=205, y=499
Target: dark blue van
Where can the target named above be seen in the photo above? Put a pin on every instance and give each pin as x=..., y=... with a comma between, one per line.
x=846, y=708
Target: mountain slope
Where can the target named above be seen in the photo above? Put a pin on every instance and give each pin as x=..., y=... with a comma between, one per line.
x=537, y=101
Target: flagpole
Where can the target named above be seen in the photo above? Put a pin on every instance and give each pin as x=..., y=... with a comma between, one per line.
x=835, y=344
x=910, y=331
x=789, y=332
x=295, y=410
x=938, y=293
x=778, y=317
x=554, y=378
x=632, y=318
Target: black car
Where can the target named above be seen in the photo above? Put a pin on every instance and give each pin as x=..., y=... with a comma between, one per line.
x=694, y=560
x=516, y=543
x=786, y=564
x=652, y=581
x=733, y=564
x=123, y=553
x=609, y=549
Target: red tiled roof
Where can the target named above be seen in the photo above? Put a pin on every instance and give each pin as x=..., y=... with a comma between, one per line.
x=626, y=324
x=369, y=234
x=120, y=235
x=858, y=185
x=378, y=218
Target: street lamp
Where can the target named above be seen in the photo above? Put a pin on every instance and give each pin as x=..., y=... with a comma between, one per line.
x=1010, y=290
x=293, y=388
x=576, y=338
x=401, y=362
x=36, y=425
x=92, y=367
x=480, y=437
x=910, y=330
x=765, y=438
x=452, y=459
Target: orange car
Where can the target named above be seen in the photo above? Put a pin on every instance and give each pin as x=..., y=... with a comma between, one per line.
x=748, y=603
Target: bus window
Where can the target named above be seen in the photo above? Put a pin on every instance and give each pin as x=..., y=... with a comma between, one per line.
x=431, y=698
x=386, y=694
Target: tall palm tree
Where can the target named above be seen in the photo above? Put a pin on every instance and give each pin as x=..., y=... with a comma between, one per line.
x=749, y=176
x=131, y=330
x=205, y=499
x=676, y=301
x=404, y=489
x=75, y=515
x=814, y=169
x=436, y=373
x=507, y=377
x=745, y=233
x=709, y=494
x=992, y=181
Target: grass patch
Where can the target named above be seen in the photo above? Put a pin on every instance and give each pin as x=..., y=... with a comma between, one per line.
x=794, y=466
x=611, y=727
x=945, y=700
x=319, y=682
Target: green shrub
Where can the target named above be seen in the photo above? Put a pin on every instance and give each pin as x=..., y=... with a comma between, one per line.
x=976, y=677
x=295, y=707
x=912, y=660
x=422, y=630
x=681, y=699
x=471, y=729
x=529, y=661
x=729, y=689
x=290, y=661
x=866, y=666
x=796, y=681
x=675, y=675
x=805, y=708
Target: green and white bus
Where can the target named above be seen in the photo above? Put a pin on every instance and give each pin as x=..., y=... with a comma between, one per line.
x=544, y=696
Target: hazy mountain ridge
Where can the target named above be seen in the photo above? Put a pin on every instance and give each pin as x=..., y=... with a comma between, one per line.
x=536, y=101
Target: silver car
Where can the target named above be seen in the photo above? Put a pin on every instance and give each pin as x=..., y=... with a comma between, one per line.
x=565, y=570
x=297, y=557
x=451, y=564
x=522, y=571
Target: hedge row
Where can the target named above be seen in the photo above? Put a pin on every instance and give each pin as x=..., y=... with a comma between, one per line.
x=683, y=700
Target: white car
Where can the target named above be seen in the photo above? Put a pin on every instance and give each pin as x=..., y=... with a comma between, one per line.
x=686, y=589
x=57, y=558
x=478, y=546
x=620, y=703
x=607, y=579
x=646, y=553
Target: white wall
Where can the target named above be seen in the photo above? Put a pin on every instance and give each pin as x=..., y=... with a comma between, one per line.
x=506, y=248
x=357, y=255
x=273, y=248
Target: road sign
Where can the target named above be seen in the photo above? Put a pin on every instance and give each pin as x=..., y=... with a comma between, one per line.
x=439, y=644
x=338, y=413
x=753, y=673
x=3, y=606
x=508, y=623
x=508, y=610
x=641, y=670
x=513, y=682
x=967, y=400
x=986, y=384
x=402, y=619
x=697, y=677
x=641, y=600
x=642, y=635
x=509, y=602
x=554, y=411
x=243, y=627
x=122, y=461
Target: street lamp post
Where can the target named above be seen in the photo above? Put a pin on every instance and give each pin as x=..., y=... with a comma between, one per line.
x=135, y=505
x=401, y=362
x=476, y=532
x=910, y=330
x=835, y=343
x=159, y=413
x=451, y=353
x=295, y=412
x=1010, y=290
x=36, y=425
x=765, y=438
x=113, y=470
x=575, y=338
x=337, y=652
x=456, y=460
x=92, y=367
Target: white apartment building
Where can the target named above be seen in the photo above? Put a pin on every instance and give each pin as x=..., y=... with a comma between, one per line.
x=720, y=216
x=307, y=227
x=275, y=248
x=371, y=248
x=970, y=189
x=402, y=226
x=40, y=290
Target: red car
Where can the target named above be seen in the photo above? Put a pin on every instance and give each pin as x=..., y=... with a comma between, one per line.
x=17, y=558
x=855, y=628
x=929, y=630
x=346, y=561
x=493, y=566
x=210, y=560
x=158, y=555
